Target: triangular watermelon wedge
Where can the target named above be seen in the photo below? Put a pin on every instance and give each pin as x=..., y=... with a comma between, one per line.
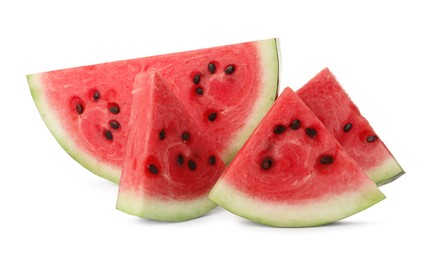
x=170, y=162
x=292, y=172
x=328, y=100
x=87, y=108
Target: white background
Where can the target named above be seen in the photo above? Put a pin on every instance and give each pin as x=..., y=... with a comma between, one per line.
x=52, y=208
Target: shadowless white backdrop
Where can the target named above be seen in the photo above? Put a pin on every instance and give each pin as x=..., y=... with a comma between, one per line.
x=52, y=208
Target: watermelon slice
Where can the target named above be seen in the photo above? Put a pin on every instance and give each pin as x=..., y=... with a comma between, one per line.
x=169, y=167
x=227, y=90
x=332, y=105
x=292, y=172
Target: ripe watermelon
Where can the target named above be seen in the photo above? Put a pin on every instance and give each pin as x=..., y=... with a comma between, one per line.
x=292, y=172
x=227, y=90
x=170, y=163
x=332, y=105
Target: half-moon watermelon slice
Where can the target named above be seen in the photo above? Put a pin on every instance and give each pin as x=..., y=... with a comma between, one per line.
x=332, y=105
x=227, y=90
x=292, y=172
x=170, y=164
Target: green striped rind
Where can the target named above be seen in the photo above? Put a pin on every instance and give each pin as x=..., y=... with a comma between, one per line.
x=269, y=60
x=313, y=213
x=387, y=172
x=52, y=121
x=138, y=204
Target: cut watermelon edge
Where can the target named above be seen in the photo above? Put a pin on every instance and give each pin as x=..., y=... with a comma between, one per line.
x=111, y=173
x=387, y=172
x=315, y=213
x=270, y=60
x=139, y=204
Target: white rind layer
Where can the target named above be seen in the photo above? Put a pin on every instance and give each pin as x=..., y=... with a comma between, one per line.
x=138, y=204
x=386, y=172
x=269, y=60
x=51, y=119
x=313, y=213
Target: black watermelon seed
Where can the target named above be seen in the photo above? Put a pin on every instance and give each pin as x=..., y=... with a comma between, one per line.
x=114, y=124
x=371, y=138
x=162, y=134
x=347, y=127
x=79, y=108
x=311, y=132
x=96, y=96
x=196, y=79
x=212, y=160
x=212, y=116
x=326, y=159
x=295, y=124
x=191, y=165
x=108, y=135
x=229, y=69
x=185, y=136
x=180, y=159
x=211, y=67
x=114, y=109
x=266, y=163
x=199, y=91
x=153, y=169
x=279, y=129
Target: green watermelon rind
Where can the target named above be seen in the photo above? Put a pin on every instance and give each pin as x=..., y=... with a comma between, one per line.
x=387, y=172
x=314, y=213
x=269, y=56
x=138, y=204
x=111, y=173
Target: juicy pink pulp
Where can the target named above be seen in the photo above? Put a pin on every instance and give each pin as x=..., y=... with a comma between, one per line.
x=296, y=174
x=152, y=166
x=326, y=98
x=231, y=96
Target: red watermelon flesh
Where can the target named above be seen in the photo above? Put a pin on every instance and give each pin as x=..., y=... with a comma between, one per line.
x=332, y=105
x=170, y=165
x=293, y=172
x=227, y=90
